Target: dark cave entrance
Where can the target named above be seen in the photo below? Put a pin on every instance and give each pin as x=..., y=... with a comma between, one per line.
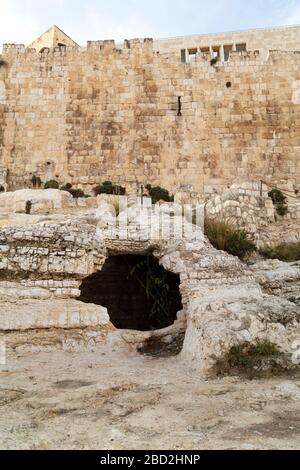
x=138, y=293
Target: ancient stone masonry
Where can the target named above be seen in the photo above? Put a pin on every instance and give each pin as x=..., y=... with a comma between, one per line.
x=107, y=112
x=248, y=206
x=43, y=265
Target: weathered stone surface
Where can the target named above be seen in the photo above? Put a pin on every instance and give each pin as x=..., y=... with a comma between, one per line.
x=225, y=302
x=110, y=112
x=42, y=200
x=43, y=314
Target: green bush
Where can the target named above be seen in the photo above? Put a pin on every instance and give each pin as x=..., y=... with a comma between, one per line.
x=76, y=193
x=66, y=187
x=51, y=184
x=279, y=201
x=159, y=194
x=288, y=252
x=226, y=237
x=107, y=187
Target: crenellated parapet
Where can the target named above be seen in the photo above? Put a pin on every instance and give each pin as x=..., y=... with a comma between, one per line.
x=13, y=48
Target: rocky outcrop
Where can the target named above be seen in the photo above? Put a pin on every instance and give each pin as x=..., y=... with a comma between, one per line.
x=225, y=302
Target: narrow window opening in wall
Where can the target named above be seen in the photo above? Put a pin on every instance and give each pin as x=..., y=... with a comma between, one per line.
x=60, y=44
x=241, y=47
x=227, y=50
x=192, y=54
x=137, y=291
x=228, y=85
x=204, y=50
x=216, y=52
x=183, y=56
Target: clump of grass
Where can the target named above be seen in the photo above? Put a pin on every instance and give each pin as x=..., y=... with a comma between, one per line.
x=224, y=236
x=263, y=347
x=247, y=358
x=116, y=205
x=288, y=252
x=247, y=354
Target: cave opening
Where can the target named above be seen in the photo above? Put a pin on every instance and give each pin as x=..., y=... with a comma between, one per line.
x=137, y=291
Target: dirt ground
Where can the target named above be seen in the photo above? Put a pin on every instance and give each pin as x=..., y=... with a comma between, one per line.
x=90, y=400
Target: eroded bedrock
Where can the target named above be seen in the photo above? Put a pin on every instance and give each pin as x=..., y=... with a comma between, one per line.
x=50, y=272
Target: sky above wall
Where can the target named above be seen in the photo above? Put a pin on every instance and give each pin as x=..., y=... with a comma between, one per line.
x=22, y=21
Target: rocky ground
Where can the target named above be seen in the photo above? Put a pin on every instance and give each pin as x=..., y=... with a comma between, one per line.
x=90, y=400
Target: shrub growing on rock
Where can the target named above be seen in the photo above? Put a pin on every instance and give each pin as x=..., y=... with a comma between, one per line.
x=250, y=359
x=159, y=194
x=66, y=187
x=279, y=201
x=224, y=236
x=51, y=184
x=76, y=193
x=107, y=187
x=288, y=252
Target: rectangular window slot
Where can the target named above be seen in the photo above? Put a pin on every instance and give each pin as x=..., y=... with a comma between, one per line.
x=216, y=52
x=227, y=50
x=241, y=47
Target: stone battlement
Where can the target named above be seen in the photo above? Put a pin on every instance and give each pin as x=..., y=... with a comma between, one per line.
x=136, y=114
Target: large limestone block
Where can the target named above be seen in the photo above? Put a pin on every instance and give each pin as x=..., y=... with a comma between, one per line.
x=65, y=313
x=42, y=200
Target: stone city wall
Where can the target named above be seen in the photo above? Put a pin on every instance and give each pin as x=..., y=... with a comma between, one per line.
x=102, y=113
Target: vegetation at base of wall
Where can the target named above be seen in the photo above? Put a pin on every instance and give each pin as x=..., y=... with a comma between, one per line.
x=28, y=207
x=243, y=354
x=107, y=187
x=279, y=201
x=288, y=252
x=66, y=187
x=2, y=189
x=159, y=194
x=36, y=181
x=252, y=359
x=76, y=193
x=51, y=184
x=224, y=236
